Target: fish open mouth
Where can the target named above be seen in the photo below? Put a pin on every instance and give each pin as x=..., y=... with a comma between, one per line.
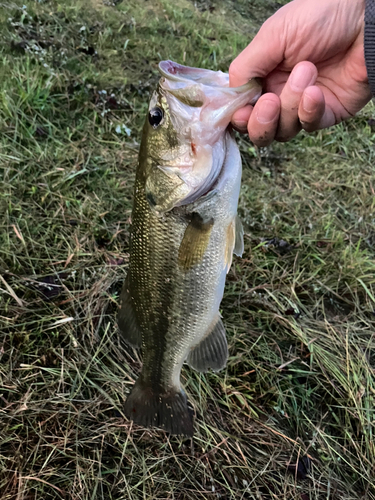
x=201, y=105
x=207, y=90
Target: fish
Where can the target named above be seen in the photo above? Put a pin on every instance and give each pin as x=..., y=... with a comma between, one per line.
x=184, y=231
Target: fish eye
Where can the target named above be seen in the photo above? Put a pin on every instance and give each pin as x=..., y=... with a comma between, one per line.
x=155, y=116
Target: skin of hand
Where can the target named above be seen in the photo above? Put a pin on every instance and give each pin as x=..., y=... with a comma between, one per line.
x=310, y=55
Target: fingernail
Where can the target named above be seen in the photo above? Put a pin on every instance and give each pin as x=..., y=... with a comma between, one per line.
x=266, y=111
x=308, y=104
x=300, y=78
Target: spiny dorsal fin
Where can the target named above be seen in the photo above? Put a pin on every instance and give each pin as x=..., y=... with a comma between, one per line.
x=126, y=319
x=195, y=242
x=212, y=351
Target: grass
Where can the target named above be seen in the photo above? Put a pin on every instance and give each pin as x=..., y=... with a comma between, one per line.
x=292, y=416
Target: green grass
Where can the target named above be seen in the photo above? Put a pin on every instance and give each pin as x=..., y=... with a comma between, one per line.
x=75, y=78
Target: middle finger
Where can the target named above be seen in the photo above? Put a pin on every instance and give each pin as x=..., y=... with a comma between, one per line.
x=303, y=75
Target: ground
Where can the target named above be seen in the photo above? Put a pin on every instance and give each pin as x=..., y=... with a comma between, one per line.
x=292, y=416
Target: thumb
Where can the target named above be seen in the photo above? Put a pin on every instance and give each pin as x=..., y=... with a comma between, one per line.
x=261, y=56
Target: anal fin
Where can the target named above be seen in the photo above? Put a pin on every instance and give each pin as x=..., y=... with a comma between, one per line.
x=126, y=319
x=212, y=351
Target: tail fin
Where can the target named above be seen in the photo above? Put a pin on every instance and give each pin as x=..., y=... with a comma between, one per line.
x=169, y=411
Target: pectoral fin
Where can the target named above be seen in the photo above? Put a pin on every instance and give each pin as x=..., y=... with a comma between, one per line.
x=127, y=320
x=234, y=241
x=195, y=241
x=229, y=246
x=238, y=242
x=212, y=352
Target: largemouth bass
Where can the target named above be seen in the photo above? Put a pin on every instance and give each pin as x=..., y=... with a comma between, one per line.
x=183, y=234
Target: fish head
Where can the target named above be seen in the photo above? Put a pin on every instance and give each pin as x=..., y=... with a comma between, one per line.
x=188, y=116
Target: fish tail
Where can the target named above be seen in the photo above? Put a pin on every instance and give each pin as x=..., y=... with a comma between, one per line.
x=169, y=411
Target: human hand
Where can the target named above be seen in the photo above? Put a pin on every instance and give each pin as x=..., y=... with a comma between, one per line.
x=310, y=55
